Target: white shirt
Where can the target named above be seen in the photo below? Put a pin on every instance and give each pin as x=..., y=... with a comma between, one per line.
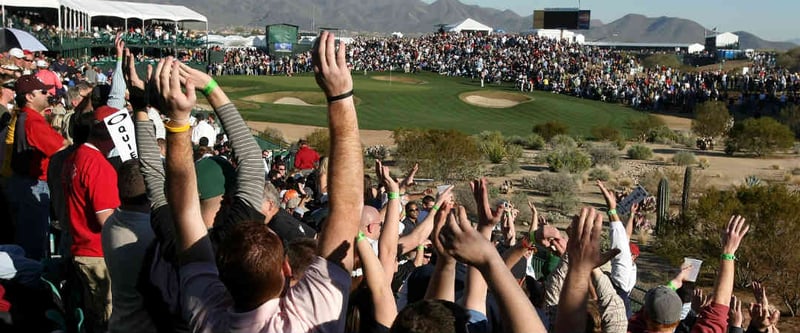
x=204, y=130
x=623, y=271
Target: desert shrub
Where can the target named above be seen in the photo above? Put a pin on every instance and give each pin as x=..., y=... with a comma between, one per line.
x=684, y=158
x=703, y=163
x=796, y=171
x=685, y=139
x=606, y=133
x=551, y=182
x=492, y=145
x=662, y=135
x=273, y=135
x=790, y=116
x=759, y=136
x=320, y=140
x=604, y=154
x=534, y=141
x=569, y=160
x=563, y=141
x=773, y=213
x=562, y=201
x=550, y=129
x=444, y=155
x=712, y=119
x=640, y=152
x=599, y=174
x=515, y=140
x=520, y=201
x=513, y=155
x=500, y=170
x=642, y=127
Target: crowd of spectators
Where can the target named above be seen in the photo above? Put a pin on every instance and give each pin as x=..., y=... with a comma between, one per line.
x=190, y=235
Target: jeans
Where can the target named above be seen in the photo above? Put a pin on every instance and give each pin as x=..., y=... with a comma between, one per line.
x=30, y=204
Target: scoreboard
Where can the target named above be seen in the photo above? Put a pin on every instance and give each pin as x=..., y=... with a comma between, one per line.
x=562, y=18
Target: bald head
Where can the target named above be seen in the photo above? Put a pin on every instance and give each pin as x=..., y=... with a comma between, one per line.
x=371, y=222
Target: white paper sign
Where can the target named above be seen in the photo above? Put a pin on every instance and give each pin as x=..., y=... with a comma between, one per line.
x=120, y=127
x=695, y=270
x=638, y=194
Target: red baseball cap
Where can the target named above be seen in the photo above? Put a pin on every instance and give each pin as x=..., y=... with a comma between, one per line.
x=103, y=112
x=635, y=249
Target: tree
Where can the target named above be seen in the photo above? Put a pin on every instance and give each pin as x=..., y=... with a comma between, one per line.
x=642, y=127
x=773, y=212
x=712, y=120
x=790, y=116
x=550, y=129
x=759, y=136
x=444, y=155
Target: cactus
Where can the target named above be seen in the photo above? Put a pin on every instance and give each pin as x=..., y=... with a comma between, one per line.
x=687, y=189
x=662, y=205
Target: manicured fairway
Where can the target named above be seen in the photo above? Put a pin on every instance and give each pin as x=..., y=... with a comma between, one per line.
x=385, y=105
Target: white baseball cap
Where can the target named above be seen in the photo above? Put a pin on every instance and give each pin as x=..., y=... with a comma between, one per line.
x=16, y=53
x=41, y=63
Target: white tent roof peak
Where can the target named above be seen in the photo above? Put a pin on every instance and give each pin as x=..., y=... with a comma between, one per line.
x=469, y=25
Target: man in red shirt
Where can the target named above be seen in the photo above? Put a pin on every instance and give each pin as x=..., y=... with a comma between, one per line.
x=34, y=142
x=90, y=186
x=306, y=158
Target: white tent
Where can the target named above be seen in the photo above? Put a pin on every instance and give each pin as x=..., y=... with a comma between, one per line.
x=696, y=48
x=727, y=39
x=468, y=25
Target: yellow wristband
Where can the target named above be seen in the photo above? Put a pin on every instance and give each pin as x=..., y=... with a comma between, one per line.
x=177, y=129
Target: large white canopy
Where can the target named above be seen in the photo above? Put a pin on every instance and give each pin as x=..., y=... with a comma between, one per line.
x=469, y=25
x=121, y=9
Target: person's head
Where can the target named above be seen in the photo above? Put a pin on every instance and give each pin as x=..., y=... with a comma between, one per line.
x=32, y=93
x=130, y=184
x=662, y=308
x=200, y=116
x=594, y=320
x=99, y=95
x=281, y=168
x=301, y=253
x=252, y=264
x=371, y=222
x=302, y=143
x=431, y=316
x=42, y=64
x=18, y=57
x=634, y=251
x=412, y=210
x=203, y=142
x=272, y=201
x=428, y=202
x=7, y=86
x=99, y=135
x=264, y=153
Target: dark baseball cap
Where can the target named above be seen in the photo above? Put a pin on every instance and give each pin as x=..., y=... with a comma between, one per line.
x=28, y=83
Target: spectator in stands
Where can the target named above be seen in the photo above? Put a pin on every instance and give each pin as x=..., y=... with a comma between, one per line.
x=92, y=196
x=125, y=238
x=34, y=143
x=49, y=78
x=306, y=158
x=203, y=130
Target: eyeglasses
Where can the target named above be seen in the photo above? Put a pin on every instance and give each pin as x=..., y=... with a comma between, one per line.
x=413, y=210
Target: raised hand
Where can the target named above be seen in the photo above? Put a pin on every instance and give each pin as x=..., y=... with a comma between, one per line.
x=735, y=316
x=584, y=244
x=611, y=200
x=464, y=243
x=119, y=44
x=734, y=233
x=198, y=78
x=760, y=294
x=763, y=318
x=440, y=222
x=384, y=175
x=486, y=216
x=330, y=66
x=177, y=103
x=699, y=301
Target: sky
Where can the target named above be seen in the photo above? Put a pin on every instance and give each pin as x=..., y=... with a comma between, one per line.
x=769, y=19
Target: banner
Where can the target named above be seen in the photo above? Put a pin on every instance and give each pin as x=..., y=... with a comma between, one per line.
x=638, y=194
x=120, y=126
x=283, y=47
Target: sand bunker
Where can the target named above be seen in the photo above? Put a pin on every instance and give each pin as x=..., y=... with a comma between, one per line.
x=398, y=79
x=291, y=101
x=494, y=99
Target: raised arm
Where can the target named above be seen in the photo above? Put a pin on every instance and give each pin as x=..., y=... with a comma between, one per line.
x=116, y=97
x=378, y=284
x=185, y=205
x=735, y=231
x=469, y=246
x=612, y=309
x=583, y=248
x=250, y=173
x=346, y=174
x=387, y=244
x=631, y=218
x=475, y=295
x=423, y=230
x=442, y=283
x=621, y=265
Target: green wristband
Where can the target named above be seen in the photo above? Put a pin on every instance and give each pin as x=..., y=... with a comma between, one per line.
x=210, y=87
x=532, y=238
x=612, y=212
x=421, y=248
x=119, y=58
x=393, y=195
x=435, y=208
x=671, y=285
x=360, y=236
x=727, y=256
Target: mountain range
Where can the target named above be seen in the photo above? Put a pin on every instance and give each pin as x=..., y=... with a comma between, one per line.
x=415, y=16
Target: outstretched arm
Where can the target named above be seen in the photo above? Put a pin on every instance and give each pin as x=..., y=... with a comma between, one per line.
x=423, y=230
x=468, y=245
x=250, y=173
x=116, y=97
x=442, y=283
x=378, y=284
x=346, y=178
x=475, y=295
x=387, y=244
x=185, y=205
